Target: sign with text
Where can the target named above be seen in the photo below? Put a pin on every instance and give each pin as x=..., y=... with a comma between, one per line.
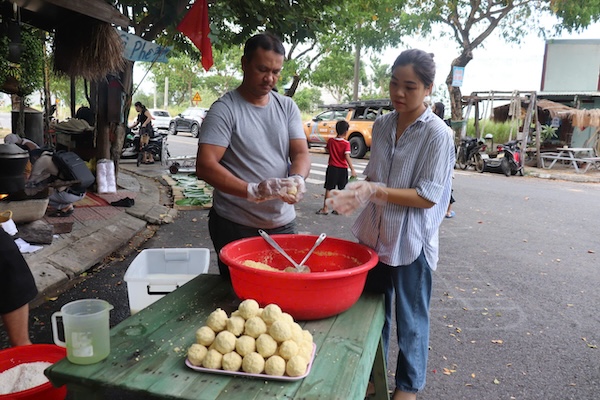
x=138, y=49
x=458, y=74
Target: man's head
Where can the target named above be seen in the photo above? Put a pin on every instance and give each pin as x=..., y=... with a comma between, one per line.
x=341, y=127
x=262, y=62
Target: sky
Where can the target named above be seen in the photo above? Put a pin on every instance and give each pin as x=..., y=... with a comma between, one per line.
x=496, y=66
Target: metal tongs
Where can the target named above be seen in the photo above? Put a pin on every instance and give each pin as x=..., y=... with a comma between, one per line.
x=299, y=267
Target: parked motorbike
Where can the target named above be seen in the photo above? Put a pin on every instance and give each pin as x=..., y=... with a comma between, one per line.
x=469, y=153
x=507, y=159
x=131, y=146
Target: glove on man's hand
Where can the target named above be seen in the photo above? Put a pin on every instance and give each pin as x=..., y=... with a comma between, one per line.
x=356, y=195
x=296, y=189
x=268, y=189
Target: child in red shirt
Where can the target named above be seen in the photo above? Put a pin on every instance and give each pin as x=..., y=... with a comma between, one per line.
x=339, y=162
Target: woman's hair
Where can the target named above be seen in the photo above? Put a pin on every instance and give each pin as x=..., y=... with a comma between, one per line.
x=265, y=41
x=422, y=63
x=140, y=105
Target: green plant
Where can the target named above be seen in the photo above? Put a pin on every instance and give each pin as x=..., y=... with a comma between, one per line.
x=29, y=71
x=548, y=132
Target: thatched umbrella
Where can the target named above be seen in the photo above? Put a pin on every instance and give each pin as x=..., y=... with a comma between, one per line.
x=88, y=48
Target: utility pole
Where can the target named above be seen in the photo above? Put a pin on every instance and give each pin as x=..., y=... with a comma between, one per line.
x=166, y=92
x=356, y=69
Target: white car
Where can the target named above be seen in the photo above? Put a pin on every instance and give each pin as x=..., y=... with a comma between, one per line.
x=161, y=120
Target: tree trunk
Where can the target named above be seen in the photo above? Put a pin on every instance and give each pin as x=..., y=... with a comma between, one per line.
x=455, y=93
x=292, y=90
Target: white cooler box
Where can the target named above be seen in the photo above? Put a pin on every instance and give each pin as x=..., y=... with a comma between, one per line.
x=157, y=272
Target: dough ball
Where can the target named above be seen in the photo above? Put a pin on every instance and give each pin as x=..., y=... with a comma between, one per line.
x=232, y=361
x=196, y=354
x=205, y=336
x=253, y=363
x=235, y=325
x=275, y=366
x=217, y=320
x=254, y=327
x=213, y=360
x=236, y=313
x=305, y=349
x=245, y=345
x=281, y=330
x=296, y=366
x=248, y=308
x=307, y=335
x=225, y=342
x=288, y=349
x=266, y=346
x=287, y=317
x=271, y=313
x=297, y=335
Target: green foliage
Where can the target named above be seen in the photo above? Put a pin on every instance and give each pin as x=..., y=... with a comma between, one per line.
x=335, y=73
x=308, y=99
x=500, y=130
x=29, y=71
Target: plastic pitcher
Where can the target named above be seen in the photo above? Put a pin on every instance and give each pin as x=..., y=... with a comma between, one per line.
x=86, y=330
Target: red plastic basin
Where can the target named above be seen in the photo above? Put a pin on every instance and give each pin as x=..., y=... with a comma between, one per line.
x=14, y=356
x=338, y=273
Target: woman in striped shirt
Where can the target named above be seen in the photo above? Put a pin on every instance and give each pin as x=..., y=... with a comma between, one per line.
x=406, y=194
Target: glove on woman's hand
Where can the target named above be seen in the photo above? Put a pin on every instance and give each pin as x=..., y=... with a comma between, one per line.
x=269, y=189
x=356, y=195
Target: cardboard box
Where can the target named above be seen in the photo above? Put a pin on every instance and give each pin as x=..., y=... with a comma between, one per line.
x=157, y=272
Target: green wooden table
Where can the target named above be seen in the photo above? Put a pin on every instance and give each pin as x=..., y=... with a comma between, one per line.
x=148, y=352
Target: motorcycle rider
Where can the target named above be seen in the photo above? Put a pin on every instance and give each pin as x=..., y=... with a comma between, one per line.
x=144, y=119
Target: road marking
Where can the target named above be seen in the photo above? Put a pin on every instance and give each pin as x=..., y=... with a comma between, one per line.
x=317, y=172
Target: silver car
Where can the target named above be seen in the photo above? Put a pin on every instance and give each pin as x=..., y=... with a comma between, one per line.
x=161, y=120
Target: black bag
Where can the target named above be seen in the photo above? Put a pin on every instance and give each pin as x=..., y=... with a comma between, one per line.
x=72, y=168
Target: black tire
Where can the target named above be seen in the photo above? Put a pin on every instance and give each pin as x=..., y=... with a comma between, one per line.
x=505, y=166
x=139, y=158
x=172, y=128
x=358, y=148
x=174, y=168
x=195, y=130
x=478, y=162
x=461, y=158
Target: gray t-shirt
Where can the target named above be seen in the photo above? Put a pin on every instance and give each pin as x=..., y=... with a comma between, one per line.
x=257, y=139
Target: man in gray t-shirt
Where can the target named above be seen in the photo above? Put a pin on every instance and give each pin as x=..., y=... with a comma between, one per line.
x=253, y=151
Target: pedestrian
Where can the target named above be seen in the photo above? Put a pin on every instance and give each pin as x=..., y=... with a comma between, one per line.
x=439, y=109
x=17, y=290
x=25, y=144
x=253, y=151
x=144, y=120
x=62, y=197
x=406, y=193
x=336, y=174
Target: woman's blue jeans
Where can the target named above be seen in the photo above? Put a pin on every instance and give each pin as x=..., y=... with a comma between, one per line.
x=409, y=286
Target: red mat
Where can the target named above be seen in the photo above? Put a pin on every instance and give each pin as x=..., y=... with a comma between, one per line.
x=91, y=200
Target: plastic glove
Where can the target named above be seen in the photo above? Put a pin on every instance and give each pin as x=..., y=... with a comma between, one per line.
x=268, y=189
x=295, y=191
x=356, y=195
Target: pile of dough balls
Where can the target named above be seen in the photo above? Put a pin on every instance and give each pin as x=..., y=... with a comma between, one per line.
x=253, y=340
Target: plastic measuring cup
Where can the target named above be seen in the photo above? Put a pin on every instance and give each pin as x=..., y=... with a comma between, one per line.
x=87, y=336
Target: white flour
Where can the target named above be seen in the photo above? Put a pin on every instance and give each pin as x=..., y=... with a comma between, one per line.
x=23, y=376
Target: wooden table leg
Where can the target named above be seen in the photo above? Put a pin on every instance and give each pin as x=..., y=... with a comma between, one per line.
x=80, y=392
x=380, y=374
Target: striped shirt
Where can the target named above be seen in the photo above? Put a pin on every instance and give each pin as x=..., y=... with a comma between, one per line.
x=423, y=159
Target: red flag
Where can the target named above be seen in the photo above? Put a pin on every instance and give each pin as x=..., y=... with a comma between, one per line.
x=195, y=26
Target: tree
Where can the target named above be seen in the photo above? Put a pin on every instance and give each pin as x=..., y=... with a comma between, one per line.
x=471, y=22
x=306, y=99
x=335, y=73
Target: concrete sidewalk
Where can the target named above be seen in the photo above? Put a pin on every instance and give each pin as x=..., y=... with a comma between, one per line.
x=99, y=231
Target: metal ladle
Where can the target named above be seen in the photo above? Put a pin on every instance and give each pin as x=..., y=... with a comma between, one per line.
x=320, y=239
x=274, y=244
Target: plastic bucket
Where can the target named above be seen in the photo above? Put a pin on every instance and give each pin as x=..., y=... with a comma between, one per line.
x=14, y=356
x=338, y=273
x=87, y=330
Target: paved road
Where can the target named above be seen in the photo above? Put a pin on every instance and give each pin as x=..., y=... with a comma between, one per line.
x=514, y=302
